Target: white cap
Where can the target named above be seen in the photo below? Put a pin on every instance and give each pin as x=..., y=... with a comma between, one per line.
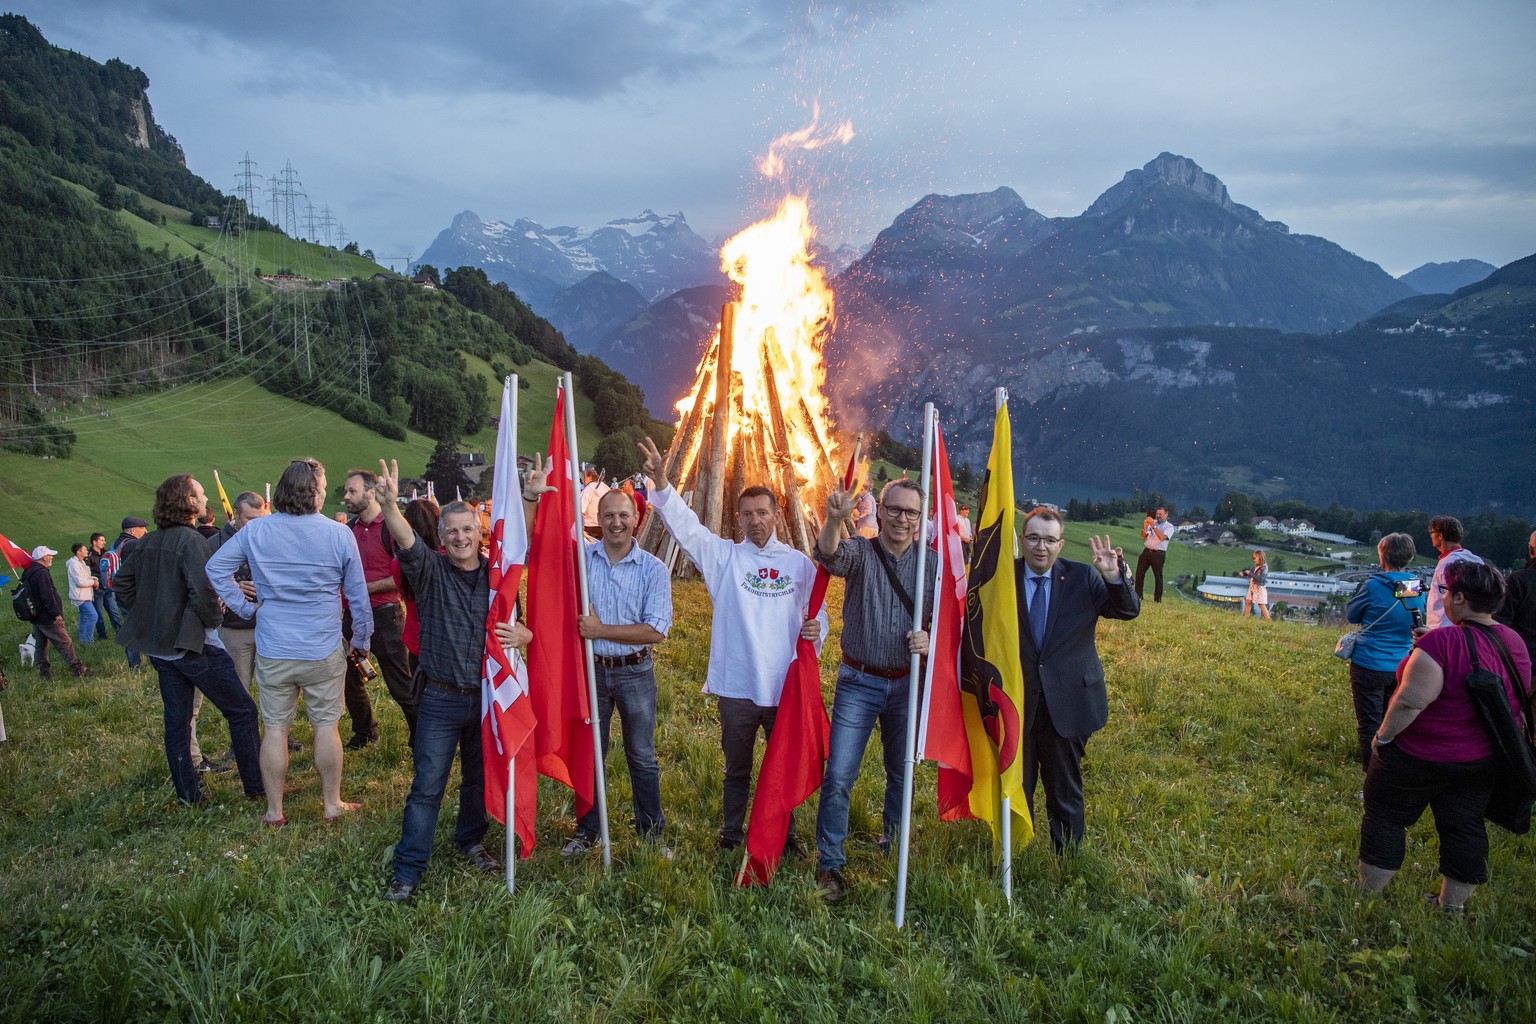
x=42, y=550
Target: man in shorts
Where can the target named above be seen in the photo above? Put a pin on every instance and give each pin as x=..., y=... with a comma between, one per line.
x=300, y=561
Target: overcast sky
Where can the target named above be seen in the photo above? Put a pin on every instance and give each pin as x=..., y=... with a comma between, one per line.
x=1403, y=130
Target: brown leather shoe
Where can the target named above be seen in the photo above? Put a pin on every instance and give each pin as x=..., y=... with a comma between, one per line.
x=831, y=883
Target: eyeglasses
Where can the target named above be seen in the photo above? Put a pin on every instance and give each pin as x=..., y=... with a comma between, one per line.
x=897, y=512
x=1037, y=541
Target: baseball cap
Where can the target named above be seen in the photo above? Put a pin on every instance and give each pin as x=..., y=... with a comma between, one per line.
x=129, y=522
x=42, y=551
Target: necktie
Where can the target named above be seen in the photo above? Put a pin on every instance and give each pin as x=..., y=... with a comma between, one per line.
x=1037, y=612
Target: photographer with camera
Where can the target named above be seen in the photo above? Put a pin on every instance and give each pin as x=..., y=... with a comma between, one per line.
x=1258, y=586
x=1390, y=603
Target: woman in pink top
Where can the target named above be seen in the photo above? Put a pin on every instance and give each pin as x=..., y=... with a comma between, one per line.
x=1432, y=751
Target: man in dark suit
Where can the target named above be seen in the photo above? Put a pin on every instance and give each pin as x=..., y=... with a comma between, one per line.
x=1060, y=604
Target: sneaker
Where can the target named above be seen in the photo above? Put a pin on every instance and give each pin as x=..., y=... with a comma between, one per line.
x=481, y=858
x=399, y=890
x=203, y=767
x=294, y=746
x=792, y=849
x=831, y=883
x=1433, y=899
x=659, y=849
x=729, y=844
x=81, y=671
x=579, y=844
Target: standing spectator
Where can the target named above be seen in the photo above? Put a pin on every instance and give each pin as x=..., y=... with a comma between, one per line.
x=82, y=591
x=236, y=633
x=1155, y=533
x=1519, y=609
x=422, y=517
x=1432, y=749
x=171, y=616
x=1445, y=533
x=627, y=485
x=207, y=526
x=1258, y=586
x=874, y=681
x=299, y=561
x=453, y=591
x=101, y=597
x=1386, y=636
x=761, y=589
x=864, y=524
x=630, y=609
x=48, y=624
x=377, y=550
x=967, y=531
x=592, y=489
x=1065, y=700
x=133, y=529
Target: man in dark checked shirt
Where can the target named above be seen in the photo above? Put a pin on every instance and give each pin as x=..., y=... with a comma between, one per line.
x=874, y=680
x=453, y=594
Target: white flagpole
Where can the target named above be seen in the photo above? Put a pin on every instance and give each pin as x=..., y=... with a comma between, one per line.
x=913, y=679
x=511, y=809
x=599, y=780
x=1005, y=817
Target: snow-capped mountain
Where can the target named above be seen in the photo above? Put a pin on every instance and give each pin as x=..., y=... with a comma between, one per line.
x=657, y=254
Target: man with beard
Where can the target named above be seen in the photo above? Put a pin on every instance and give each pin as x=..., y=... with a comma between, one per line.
x=761, y=589
x=377, y=549
x=874, y=681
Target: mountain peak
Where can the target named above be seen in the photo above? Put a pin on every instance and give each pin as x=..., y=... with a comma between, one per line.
x=1165, y=169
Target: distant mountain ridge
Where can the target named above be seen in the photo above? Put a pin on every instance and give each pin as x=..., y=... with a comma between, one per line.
x=1445, y=278
x=655, y=254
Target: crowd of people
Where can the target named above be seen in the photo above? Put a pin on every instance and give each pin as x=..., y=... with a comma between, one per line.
x=285, y=602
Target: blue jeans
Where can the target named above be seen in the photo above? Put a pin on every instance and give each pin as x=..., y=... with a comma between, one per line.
x=446, y=720
x=631, y=689
x=87, y=620
x=213, y=673
x=859, y=702
x=106, y=607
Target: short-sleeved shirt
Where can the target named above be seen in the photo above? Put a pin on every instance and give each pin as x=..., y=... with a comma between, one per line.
x=1448, y=730
x=636, y=589
x=452, y=604
x=875, y=620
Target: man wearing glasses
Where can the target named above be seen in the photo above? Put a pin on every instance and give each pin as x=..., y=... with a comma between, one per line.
x=1445, y=534
x=874, y=679
x=1065, y=702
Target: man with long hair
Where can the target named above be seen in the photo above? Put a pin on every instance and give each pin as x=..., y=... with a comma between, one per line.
x=172, y=616
x=300, y=561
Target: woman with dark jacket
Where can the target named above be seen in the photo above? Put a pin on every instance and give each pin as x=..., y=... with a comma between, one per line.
x=1385, y=638
x=1432, y=750
x=171, y=614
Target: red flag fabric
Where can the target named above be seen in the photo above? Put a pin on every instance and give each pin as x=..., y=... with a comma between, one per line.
x=18, y=558
x=796, y=754
x=941, y=729
x=557, y=663
x=506, y=711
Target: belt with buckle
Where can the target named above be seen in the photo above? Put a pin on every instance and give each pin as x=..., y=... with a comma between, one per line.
x=623, y=660
x=447, y=687
x=870, y=670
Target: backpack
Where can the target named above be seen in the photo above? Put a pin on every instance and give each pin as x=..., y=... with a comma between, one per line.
x=22, y=604
x=111, y=561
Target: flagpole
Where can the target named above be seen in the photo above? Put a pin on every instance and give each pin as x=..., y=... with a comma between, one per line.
x=599, y=780
x=1005, y=817
x=511, y=387
x=914, y=664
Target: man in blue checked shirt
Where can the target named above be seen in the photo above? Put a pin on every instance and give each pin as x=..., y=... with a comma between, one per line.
x=631, y=609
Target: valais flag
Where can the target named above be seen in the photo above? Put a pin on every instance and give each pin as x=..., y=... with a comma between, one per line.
x=941, y=727
x=506, y=713
x=557, y=662
x=796, y=753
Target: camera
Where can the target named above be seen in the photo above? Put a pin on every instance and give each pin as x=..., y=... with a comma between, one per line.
x=1405, y=590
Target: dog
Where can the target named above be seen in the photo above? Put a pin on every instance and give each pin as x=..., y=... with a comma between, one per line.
x=27, y=651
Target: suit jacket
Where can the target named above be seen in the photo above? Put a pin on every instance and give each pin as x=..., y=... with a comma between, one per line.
x=1067, y=671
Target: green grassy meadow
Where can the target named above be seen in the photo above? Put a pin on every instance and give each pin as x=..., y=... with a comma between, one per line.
x=1216, y=882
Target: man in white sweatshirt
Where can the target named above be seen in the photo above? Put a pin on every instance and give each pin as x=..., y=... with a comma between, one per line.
x=760, y=587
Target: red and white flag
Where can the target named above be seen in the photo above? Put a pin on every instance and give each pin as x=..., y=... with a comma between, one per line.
x=506, y=712
x=18, y=558
x=557, y=663
x=941, y=728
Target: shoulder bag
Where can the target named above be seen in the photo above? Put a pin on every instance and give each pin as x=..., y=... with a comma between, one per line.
x=1344, y=650
x=1514, y=743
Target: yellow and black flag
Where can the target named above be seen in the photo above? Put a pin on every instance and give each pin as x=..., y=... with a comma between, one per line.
x=991, y=671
